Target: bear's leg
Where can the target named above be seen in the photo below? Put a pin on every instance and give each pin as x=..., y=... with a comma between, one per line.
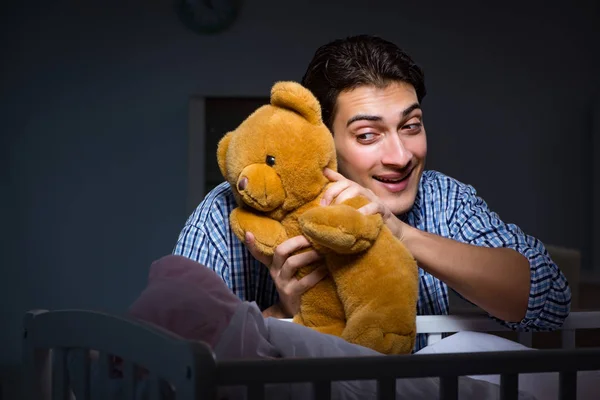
x=379, y=291
x=321, y=309
x=367, y=331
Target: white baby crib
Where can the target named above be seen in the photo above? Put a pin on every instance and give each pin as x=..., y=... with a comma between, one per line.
x=60, y=347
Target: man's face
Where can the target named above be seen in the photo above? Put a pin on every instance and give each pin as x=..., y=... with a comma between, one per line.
x=381, y=143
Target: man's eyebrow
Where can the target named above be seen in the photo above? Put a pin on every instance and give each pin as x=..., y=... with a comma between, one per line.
x=410, y=109
x=367, y=117
x=363, y=117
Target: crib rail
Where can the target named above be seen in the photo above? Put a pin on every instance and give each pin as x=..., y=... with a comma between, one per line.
x=194, y=373
x=436, y=325
x=449, y=367
x=48, y=336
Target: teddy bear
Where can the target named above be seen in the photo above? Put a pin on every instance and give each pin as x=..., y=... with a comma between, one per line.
x=274, y=162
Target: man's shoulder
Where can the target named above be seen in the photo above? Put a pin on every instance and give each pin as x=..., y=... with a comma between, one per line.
x=442, y=191
x=215, y=207
x=437, y=183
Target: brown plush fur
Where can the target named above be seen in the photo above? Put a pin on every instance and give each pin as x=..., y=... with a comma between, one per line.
x=274, y=162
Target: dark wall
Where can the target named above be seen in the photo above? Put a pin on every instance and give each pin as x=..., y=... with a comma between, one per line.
x=94, y=109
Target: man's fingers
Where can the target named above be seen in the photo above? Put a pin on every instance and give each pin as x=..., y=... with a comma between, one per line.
x=343, y=189
x=371, y=208
x=293, y=263
x=349, y=193
x=333, y=191
x=333, y=175
x=289, y=246
x=251, y=245
x=311, y=279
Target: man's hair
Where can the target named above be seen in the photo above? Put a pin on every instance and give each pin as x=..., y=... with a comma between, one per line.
x=345, y=64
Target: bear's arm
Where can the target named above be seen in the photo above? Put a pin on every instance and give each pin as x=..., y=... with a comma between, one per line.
x=341, y=227
x=268, y=232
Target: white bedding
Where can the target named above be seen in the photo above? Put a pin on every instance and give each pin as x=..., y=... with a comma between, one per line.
x=249, y=335
x=544, y=386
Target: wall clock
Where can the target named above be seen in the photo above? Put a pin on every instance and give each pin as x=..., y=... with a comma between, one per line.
x=208, y=16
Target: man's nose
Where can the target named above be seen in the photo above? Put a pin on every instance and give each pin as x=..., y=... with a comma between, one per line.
x=396, y=153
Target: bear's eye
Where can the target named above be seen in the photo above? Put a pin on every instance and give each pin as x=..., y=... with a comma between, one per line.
x=270, y=161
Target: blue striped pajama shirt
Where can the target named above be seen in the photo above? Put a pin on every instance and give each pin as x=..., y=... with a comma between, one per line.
x=443, y=206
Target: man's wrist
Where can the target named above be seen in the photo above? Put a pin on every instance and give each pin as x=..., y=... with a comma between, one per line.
x=397, y=227
x=416, y=242
x=409, y=236
x=275, y=311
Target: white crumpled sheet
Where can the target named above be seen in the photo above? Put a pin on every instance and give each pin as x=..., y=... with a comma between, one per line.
x=544, y=386
x=249, y=335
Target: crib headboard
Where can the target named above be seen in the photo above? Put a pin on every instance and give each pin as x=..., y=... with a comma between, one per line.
x=49, y=336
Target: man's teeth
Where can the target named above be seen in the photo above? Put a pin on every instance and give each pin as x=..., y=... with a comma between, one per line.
x=389, y=180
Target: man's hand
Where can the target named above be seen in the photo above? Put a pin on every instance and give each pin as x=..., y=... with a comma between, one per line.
x=283, y=266
x=343, y=189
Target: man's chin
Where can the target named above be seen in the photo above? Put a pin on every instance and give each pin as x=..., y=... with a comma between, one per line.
x=403, y=205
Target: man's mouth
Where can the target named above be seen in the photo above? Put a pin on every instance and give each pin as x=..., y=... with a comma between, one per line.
x=393, y=179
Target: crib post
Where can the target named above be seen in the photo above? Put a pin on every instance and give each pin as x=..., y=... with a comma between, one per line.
x=525, y=338
x=201, y=376
x=37, y=363
x=568, y=338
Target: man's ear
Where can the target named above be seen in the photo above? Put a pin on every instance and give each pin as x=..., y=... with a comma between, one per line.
x=222, y=153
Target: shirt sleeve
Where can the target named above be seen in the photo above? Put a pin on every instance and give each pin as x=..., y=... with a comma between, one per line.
x=207, y=249
x=471, y=221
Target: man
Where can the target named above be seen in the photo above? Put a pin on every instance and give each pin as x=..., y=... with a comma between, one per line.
x=370, y=93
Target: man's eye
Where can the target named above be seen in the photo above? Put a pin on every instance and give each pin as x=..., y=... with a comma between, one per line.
x=412, y=126
x=365, y=136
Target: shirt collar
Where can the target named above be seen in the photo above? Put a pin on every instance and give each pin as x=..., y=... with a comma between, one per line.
x=414, y=216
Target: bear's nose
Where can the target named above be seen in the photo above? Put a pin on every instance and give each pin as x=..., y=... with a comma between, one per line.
x=242, y=183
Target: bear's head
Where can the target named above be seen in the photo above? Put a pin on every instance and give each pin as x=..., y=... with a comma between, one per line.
x=274, y=159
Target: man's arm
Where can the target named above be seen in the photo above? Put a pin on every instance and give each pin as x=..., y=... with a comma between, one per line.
x=204, y=238
x=493, y=264
x=276, y=311
x=196, y=245
x=496, y=279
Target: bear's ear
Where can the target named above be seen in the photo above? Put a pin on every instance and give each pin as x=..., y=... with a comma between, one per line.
x=294, y=96
x=222, y=153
